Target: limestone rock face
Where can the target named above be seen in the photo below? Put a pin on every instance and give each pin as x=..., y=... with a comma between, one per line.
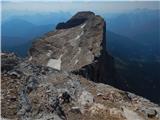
x=78, y=43
x=75, y=43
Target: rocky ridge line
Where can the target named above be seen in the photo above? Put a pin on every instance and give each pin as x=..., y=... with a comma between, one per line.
x=48, y=86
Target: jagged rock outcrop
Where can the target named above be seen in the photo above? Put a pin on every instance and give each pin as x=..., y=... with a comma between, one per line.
x=44, y=93
x=50, y=86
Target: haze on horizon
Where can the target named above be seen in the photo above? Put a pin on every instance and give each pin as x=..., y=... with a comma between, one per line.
x=13, y=7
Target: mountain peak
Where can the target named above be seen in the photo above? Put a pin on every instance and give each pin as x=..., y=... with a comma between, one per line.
x=77, y=45
x=77, y=19
x=84, y=14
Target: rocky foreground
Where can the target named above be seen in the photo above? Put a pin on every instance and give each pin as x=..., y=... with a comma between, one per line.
x=62, y=79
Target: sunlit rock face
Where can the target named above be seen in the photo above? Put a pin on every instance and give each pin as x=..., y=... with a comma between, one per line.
x=77, y=45
x=78, y=42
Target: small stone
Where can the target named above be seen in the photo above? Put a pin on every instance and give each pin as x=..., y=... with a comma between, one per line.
x=100, y=94
x=75, y=110
x=48, y=91
x=14, y=74
x=86, y=98
x=151, y=113
x=131, y=96
x=32, y=83
x=66, y=97
x=96, y=108
x=116, y=112
x=13, y=98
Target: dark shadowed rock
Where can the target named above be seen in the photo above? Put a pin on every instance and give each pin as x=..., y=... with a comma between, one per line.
x=8, y=61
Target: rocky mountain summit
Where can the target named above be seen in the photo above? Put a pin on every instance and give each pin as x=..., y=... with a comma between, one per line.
x=76, y=46
x=62, y=79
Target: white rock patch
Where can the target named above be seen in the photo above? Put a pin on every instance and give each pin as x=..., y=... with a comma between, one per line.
x=74, y=41
x=49, y=53
x=30, y=58
x=131, y=115
x=76, y=61
x=86, y=98
x=78, y=36
x=79, y=51
x=82, y=33
x=54, y=63
x=83, y=25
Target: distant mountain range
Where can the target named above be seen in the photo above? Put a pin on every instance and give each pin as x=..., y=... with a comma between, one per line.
x=134, y=41
x=22, y=30
x=135, y=35
x=132, y=23
x=17, y=33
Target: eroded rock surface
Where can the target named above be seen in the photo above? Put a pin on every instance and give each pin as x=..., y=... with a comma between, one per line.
x=75, y=46
x=62, y=95
x=54, y=82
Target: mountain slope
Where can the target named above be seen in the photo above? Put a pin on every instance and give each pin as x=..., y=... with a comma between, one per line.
x=132, y=70
x=142, y=27
x=130, y=24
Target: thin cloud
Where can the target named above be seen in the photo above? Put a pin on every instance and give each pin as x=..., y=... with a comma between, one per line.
x=78, y=6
